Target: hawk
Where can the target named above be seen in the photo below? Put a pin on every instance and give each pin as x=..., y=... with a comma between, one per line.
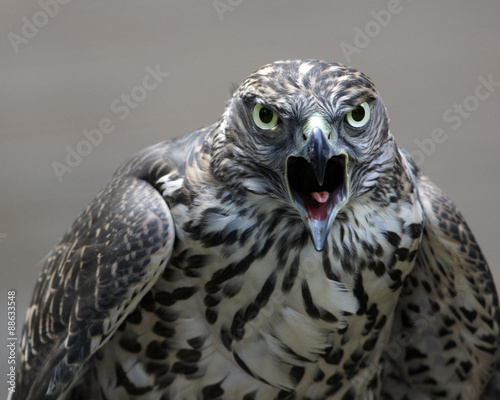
x=290, y=250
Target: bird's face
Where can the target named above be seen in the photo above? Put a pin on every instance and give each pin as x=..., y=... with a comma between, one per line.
x=313, y=134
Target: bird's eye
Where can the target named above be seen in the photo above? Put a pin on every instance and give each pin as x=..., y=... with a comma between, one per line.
x=264, y=118
x=359, y=116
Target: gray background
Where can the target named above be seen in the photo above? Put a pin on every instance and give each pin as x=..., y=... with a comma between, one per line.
x=427, y=58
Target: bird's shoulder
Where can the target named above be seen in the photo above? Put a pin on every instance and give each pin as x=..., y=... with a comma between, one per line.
x=108, y=259
x=156, y=161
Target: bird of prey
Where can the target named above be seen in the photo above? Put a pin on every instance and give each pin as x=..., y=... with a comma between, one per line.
x=290, y=250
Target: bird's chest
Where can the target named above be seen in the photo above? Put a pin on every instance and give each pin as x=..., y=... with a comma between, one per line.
x=262, y=309
x=248, y=307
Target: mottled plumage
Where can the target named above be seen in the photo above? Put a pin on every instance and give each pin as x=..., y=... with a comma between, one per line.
x=288, y=251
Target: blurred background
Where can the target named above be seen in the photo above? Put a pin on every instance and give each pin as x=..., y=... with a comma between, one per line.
x=144, y=71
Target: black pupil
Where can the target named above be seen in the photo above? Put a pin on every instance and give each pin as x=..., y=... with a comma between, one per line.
x=358, y=114
x=265, y=115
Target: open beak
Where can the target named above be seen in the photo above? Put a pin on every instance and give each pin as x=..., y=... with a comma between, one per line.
x=318, y=184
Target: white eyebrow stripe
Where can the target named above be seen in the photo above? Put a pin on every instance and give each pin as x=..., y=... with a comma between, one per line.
x=316, y=120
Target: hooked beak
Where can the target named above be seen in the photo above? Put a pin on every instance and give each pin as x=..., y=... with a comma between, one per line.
x=318, y=184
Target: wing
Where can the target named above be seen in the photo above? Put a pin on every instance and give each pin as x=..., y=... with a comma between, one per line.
x=108, y=260
x=445, y=336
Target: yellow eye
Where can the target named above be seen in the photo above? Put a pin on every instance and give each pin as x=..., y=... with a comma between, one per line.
x=359, y=116
x=264, y=118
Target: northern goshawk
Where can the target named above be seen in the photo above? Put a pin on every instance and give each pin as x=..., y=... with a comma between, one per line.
x=288, y=251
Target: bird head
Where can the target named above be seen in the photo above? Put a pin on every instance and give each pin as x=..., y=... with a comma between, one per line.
x=313, y=134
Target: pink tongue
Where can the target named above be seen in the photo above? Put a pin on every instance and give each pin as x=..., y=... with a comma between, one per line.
x=320, y=197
